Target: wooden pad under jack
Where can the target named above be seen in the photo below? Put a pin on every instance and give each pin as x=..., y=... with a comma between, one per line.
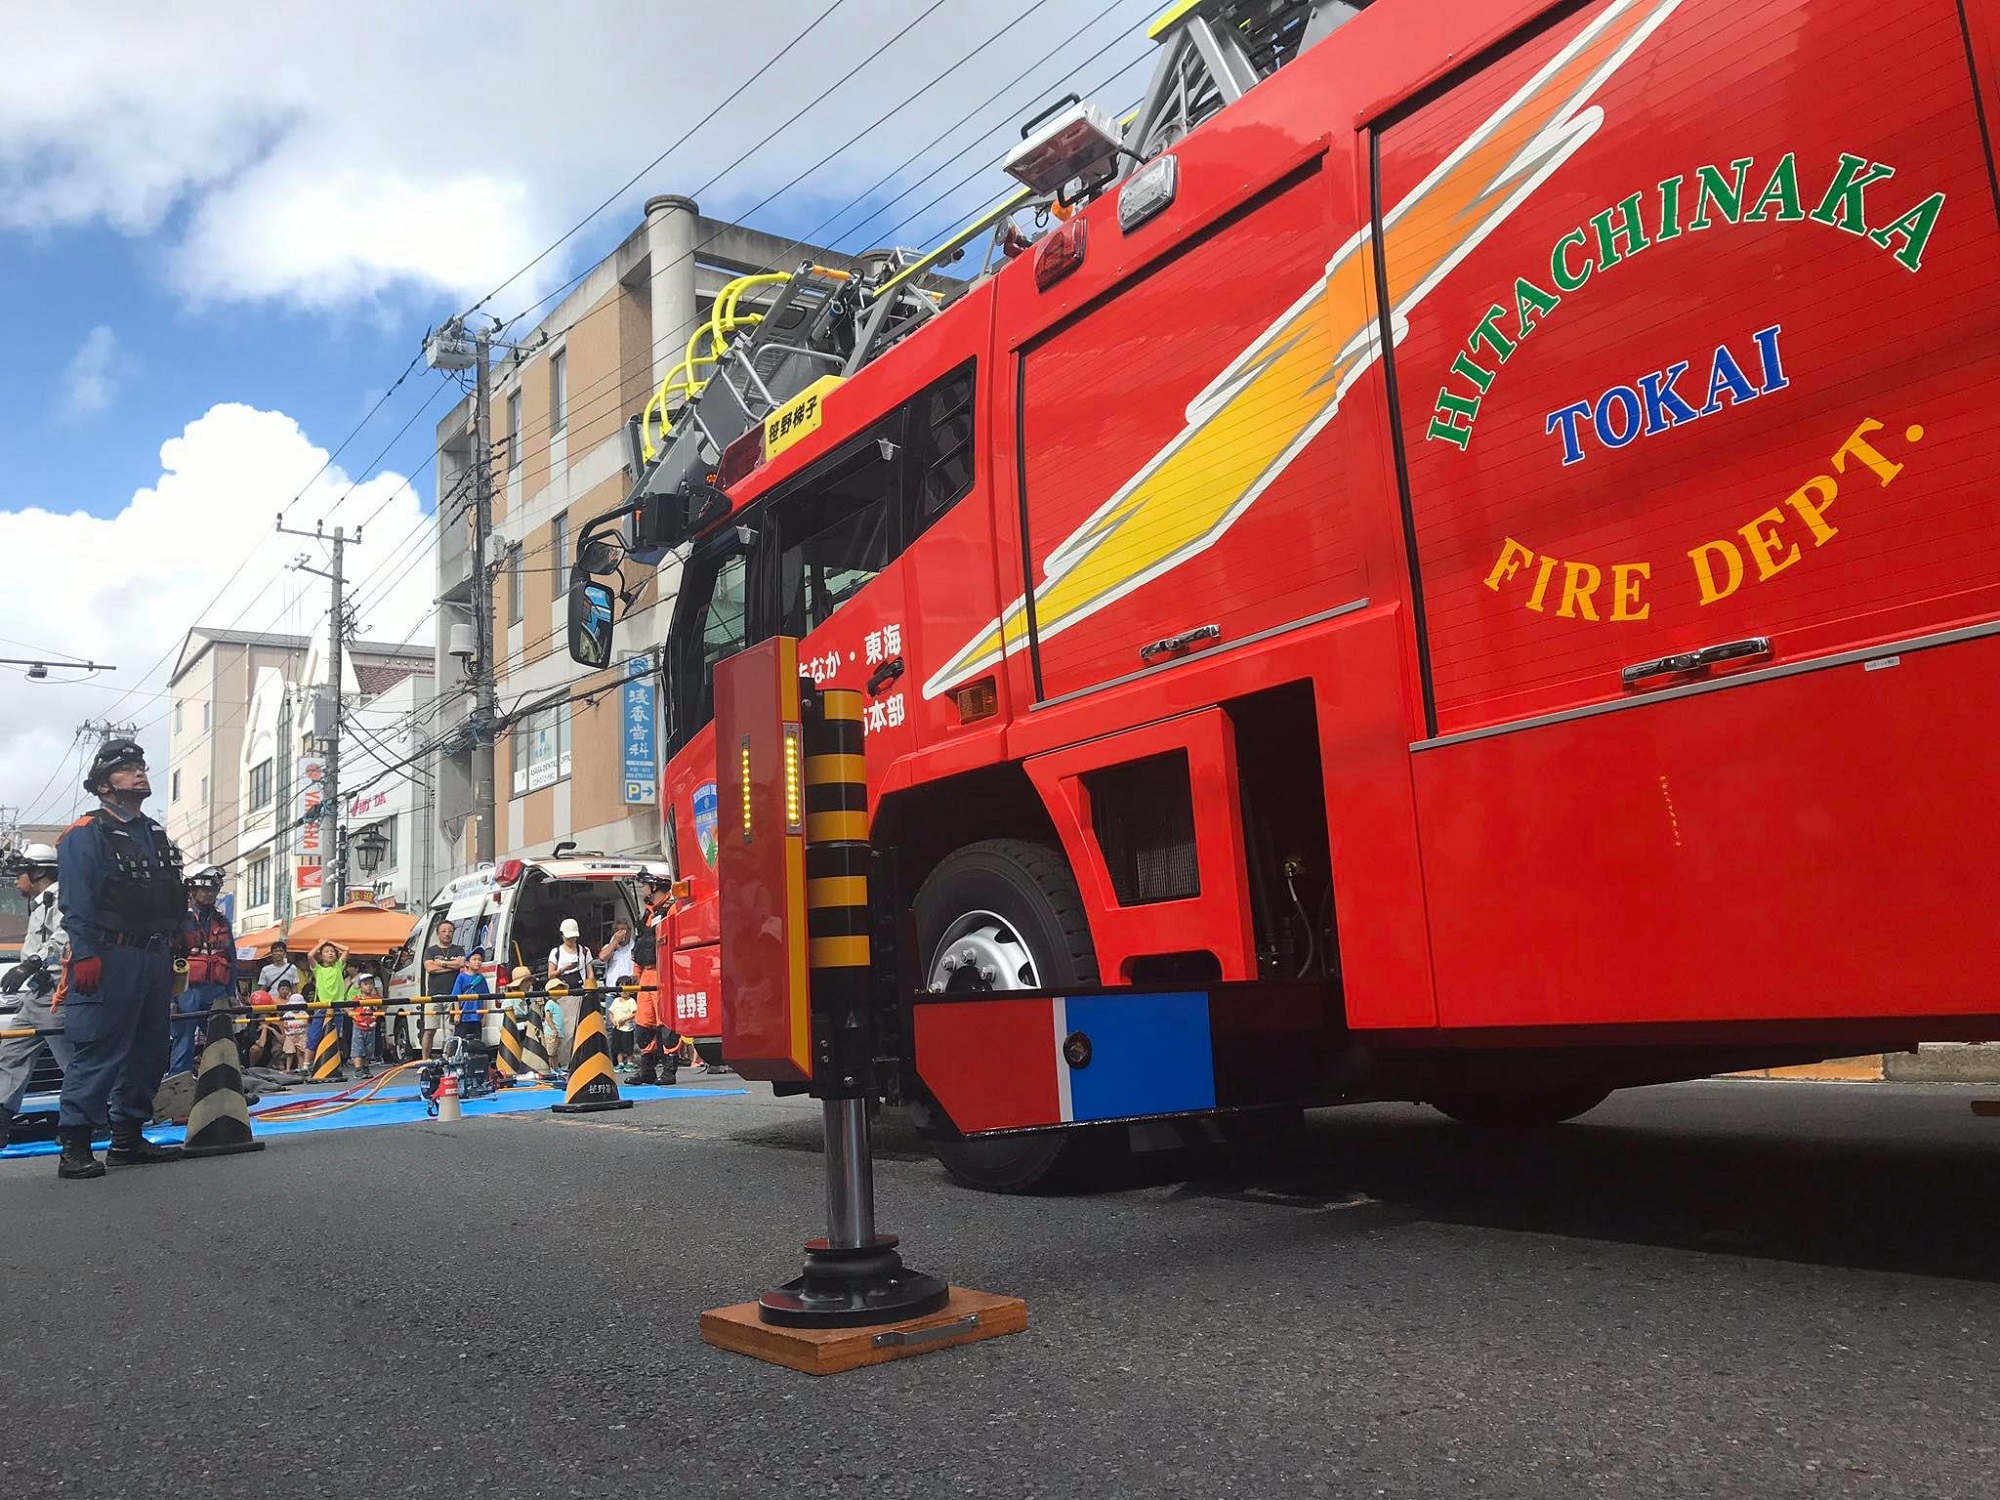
x=968, y=1317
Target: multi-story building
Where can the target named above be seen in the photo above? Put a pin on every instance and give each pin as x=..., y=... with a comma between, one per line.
x=238, y=717
x=560, y=455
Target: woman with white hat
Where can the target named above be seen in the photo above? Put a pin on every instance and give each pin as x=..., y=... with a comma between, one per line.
x=569, y=964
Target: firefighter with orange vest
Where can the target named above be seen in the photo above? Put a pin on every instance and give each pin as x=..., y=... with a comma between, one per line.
x=125, y=909
x=659, y=1042
x=211, y=961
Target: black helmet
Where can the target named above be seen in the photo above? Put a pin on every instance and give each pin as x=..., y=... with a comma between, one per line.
x=112, y=755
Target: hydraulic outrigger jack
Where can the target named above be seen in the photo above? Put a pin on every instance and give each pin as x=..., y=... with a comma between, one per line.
x=798, y=1011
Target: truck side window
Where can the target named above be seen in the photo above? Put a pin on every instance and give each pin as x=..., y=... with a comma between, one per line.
x=942, y=434
x=715, y=624
x=834, y=538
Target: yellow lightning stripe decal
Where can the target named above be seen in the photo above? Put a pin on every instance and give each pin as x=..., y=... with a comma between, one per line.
x=1255, y=417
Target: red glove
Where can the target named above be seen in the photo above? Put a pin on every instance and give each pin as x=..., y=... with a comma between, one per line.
x=85, y=974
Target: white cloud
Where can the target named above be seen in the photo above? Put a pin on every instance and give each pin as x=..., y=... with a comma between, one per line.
x=91, y=381
x=123, y=589
x=319, y=155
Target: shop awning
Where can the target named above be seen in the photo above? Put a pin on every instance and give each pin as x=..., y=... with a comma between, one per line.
x=363, y=928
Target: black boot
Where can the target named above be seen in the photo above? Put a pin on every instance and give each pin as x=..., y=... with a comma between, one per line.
x=670, y=1057
x=130, y=1148
x=77, y=1160
x=648, y=1038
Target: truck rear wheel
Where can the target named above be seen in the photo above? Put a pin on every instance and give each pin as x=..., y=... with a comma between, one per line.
x=1000, y=915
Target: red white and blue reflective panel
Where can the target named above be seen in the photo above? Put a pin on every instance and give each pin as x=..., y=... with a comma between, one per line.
x=1016, y=1064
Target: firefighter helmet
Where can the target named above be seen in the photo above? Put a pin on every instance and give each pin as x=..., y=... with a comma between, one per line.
x=31, y=858
x=112, y=755
x=207, y=876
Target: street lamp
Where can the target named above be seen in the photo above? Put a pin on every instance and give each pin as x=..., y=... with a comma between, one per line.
x=369, y=845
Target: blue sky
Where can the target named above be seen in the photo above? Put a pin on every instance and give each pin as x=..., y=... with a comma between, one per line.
x=216, y=263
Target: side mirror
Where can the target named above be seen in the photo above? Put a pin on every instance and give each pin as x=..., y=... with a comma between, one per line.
x=590, y=622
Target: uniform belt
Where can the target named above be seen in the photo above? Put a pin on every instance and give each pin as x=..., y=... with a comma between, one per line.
x=136, y=939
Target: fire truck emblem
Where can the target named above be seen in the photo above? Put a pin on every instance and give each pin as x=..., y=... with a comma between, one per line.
x=1275, y=397
x=707, y=810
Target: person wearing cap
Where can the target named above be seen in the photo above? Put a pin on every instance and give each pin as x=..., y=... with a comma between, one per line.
x=211, y=961
x=33, y=867
x=570, y=966
x=125, y=909
x=659, y=1043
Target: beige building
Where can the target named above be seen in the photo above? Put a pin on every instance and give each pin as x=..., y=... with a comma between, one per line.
x=223, y=799
x=561, y=455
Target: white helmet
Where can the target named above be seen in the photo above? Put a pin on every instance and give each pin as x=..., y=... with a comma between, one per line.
x=207, y=875
x=32, y=857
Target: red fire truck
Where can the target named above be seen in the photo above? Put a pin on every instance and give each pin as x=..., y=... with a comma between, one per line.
x=1463, y=565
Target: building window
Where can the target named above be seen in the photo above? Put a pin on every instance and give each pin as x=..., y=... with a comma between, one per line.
x=174, y=786
x=207, y=715
x=541, y=748
x=260, y=785
x=179, y=725
x=559, y=550
x=257, y=884
x=558, y=391
x=204, y=791
x=516, y=585
x=514, y=430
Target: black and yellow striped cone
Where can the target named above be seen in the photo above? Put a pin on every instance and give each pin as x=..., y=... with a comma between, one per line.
x=593, y=1085
x=534, y=1056
x=326, y=1057
x=508, y=1059
x=219, y=1123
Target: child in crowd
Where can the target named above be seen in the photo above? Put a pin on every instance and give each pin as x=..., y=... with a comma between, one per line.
x=367, y=998
x=470, y=989
x=293, y=1020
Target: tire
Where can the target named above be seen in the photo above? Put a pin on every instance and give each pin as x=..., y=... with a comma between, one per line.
x=1040, y=939
x=1525, y=1109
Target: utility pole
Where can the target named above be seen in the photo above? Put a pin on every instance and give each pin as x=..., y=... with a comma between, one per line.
x=447, y=348
x=281, y=812
x=485, y=707
x=332, y=838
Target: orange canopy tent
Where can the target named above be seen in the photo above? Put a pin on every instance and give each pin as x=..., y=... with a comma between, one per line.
x=363, y=928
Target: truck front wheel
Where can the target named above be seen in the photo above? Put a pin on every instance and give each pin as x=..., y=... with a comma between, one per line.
x=1006, y=915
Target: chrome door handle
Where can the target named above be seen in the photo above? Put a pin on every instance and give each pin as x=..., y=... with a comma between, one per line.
x=1178, y=645
x=1683, y=662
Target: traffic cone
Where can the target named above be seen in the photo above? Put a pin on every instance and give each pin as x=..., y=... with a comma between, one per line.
x=593, y=1085
x=534, y=1057
x=326, y=1057
x=508, y=1058
x=219, y=1122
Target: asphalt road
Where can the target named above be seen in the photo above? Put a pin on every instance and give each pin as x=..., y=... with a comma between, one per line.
x=1756, y=1289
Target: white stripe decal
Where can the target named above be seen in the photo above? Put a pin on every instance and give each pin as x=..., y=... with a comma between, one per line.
x=1059, y=1010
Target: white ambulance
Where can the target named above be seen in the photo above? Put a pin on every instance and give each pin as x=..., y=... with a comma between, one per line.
x=513, y=913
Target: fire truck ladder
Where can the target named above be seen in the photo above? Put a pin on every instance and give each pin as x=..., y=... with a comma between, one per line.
x=1213, y=52
x=741, y=365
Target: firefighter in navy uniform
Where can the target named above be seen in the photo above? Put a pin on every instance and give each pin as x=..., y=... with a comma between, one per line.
x=126, y=911
x=33, y=979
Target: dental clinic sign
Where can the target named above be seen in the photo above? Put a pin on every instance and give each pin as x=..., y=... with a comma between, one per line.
x=636, y=716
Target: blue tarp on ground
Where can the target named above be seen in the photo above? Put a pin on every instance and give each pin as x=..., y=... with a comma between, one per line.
x=400, y=1105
